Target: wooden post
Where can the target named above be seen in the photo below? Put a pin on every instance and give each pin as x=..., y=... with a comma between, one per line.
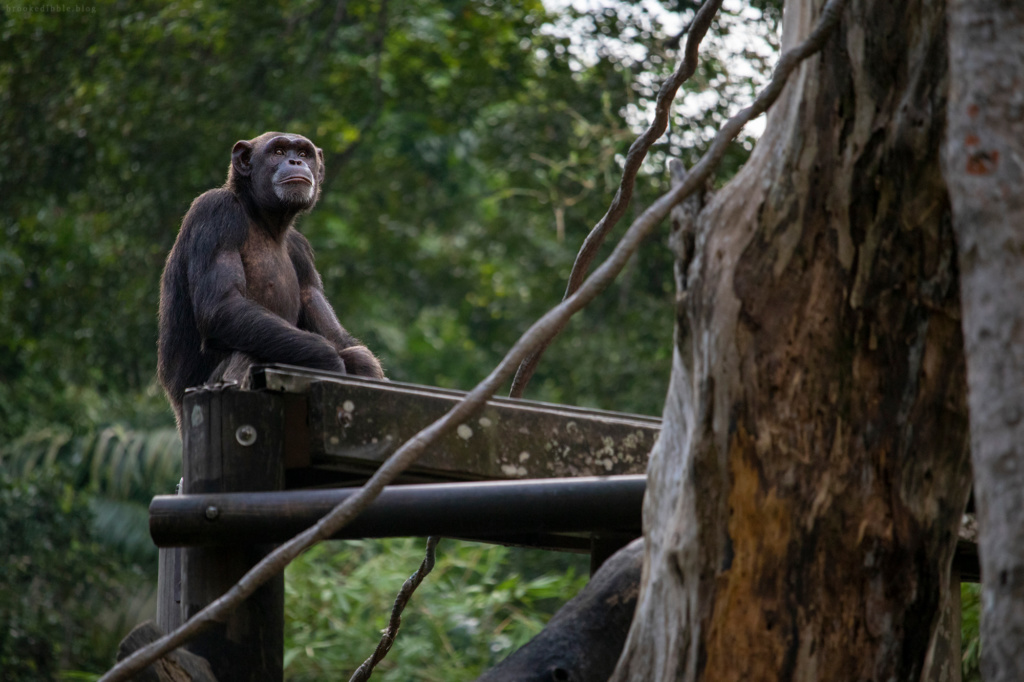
x=233, y=442
x=168, y=585
x=168, y=589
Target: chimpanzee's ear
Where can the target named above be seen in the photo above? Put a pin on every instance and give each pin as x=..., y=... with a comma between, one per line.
x=241, y=158
x=319, y=166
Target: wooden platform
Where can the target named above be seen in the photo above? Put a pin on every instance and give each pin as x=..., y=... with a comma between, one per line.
x=262, y=464
x=334, y=430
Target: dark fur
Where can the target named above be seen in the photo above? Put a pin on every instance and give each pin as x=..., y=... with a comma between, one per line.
x=240, y=285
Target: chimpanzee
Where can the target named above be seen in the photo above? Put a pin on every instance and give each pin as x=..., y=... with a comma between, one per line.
x=240, y=285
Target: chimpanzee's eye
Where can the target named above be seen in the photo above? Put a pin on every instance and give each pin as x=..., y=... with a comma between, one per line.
x=302, y=154
x=279, y=152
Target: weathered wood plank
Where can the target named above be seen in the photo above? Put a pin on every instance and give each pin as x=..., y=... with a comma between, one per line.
x=355, y=423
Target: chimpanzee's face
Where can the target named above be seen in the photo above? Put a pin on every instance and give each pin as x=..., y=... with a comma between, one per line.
x=293, y=162
x=288, y=167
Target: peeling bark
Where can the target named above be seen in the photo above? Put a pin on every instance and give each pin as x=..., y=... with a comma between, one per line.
x=985, y=171
x=805, y=493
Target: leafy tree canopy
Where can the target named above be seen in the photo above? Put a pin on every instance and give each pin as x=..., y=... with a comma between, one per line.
x=470, y=146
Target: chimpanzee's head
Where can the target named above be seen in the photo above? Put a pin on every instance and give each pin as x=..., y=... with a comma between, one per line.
x=277, y=171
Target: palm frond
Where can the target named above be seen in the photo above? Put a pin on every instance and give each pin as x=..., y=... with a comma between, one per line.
x=115, y=462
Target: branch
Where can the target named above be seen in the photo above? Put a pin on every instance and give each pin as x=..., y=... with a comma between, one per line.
x=697, y=29
x=675, y=41
x=336, y=519
x=364, y=671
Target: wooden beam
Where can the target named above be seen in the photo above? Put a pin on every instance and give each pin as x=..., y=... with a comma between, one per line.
x=354, y=424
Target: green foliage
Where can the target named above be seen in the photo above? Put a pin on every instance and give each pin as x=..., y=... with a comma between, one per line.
x=122, y=468
x=55, y=580
x=478, y=605
x=970, y=631
x=109, y=476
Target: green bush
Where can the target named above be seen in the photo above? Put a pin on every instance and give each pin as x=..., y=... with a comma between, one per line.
x=478, y=605
x=54, y=579
x=970, y=631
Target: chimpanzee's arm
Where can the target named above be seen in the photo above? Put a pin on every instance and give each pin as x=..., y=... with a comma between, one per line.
x=317, y=315
x=225, y=318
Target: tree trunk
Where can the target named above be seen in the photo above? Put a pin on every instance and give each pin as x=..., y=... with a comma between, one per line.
x=985, y=171
x=804, y=496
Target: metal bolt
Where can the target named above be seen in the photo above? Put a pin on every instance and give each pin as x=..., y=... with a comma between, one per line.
x=245, y=435
x=212, y=513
